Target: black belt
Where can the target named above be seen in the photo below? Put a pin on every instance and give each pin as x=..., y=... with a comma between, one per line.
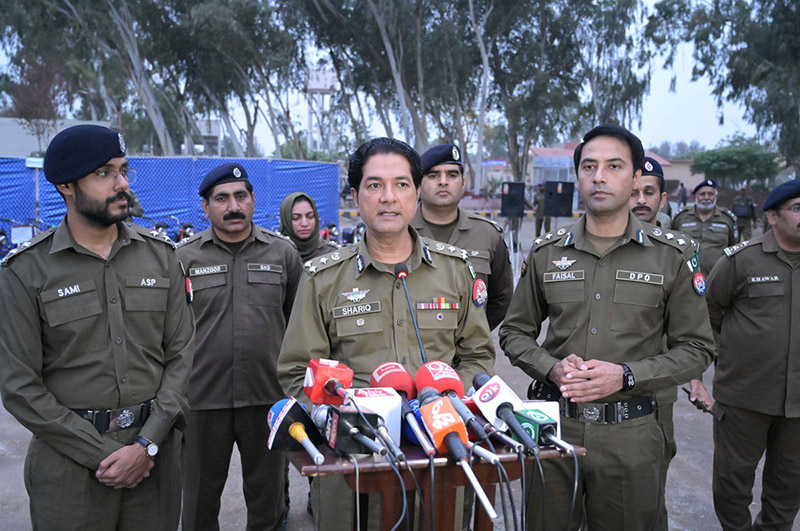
x=597, y=412
x=108, y=420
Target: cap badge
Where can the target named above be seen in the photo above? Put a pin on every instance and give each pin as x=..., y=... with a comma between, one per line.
x=121, y=142
x=237, y=172
x=355, y=295
x=456, y=154
x=563, y=263
x=648, y=166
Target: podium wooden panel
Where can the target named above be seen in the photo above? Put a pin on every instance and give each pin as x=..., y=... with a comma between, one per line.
x=377, y=477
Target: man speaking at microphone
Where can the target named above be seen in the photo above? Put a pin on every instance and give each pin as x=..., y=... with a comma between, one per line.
x=614, y=290
x=352, y=308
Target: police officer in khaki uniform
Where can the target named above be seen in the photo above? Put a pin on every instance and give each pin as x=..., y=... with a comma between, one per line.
x=96, y=350
x=712, y=227
x=351, y=307
x=300, y=222
x=754, y=303
x=439, y=217
x=613, y=288
x=244, y=278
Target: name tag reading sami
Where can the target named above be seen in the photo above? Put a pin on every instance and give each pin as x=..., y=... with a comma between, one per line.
x=356, y=309
x=208, y=270
x=566, y=275
x=635, y=276
x=265, y=267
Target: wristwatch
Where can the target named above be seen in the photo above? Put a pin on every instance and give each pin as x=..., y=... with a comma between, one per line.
x=150, y=448
x=628, y=381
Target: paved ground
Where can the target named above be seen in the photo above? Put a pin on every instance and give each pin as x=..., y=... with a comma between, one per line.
x=688, y=486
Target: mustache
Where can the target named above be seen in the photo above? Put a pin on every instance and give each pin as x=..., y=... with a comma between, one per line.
x=233, y=215
x=120, y=195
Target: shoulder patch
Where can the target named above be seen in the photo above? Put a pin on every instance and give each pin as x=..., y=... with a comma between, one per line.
x=445, y=249
x=733, y=249
x=42, y=236
x=339, y=256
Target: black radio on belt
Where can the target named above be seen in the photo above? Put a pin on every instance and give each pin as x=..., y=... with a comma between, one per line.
x=110, y=420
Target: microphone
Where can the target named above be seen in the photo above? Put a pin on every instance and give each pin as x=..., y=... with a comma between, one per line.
x=289, y=426
x=386, y=403
x=449, y=434
x=326, y=380
x=401, y=272
x=344, y=430
x=445, y=379
x=544, y=428
x=392, y=374
x=497, y=402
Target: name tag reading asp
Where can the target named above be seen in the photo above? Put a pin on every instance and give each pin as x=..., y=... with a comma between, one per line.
x=566, y=275
x=356, y=309
x=635, y=276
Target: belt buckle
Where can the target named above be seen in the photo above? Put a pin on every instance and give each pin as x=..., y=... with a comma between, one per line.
x=123, y=420
x=593, y=413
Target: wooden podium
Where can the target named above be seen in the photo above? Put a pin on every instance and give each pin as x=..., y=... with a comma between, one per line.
x=377, y=477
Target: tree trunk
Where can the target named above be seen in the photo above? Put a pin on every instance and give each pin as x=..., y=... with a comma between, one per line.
x=477, y=27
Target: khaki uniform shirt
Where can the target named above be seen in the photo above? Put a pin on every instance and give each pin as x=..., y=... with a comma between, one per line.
x=754, y=303
x=617, y=307
x=352, y=309
x=487, y=251
x=242, y=303
x=538, y=202
x=81, y=332
x=712, y=235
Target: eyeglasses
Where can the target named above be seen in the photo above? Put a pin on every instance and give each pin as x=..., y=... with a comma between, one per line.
x=794, y=209
x=129, y=174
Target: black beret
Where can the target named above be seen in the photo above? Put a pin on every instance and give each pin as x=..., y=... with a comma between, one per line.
x=77, y=151
x=441, y=154
x=652, y=167
x=227, y=173
x=782, y=192
x=708, y=182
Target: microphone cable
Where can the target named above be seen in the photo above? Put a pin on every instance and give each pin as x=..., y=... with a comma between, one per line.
x=358, y=493
x=401, y=272
x=544, y=490
x=430, y=495
x=574, y=491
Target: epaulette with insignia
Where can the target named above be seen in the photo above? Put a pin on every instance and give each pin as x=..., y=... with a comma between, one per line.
x=333, y=244
x=190, y=239
x=733, y=249
x=154, y=234
x=277, y=235
x=673, y=238
x=728, y=213
x=446, y=249
x=315, y=265
x=553, y=237
x=26, y=245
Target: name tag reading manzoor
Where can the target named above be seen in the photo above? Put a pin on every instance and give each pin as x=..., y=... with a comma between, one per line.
x=566, y=275
x=208, y=270
x=635, y=276
x=356, y=309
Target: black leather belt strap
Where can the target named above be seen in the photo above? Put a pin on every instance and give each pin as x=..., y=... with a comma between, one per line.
x=597, y=412
x=109, y=420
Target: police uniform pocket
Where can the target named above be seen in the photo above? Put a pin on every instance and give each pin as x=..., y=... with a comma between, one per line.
x=357, y=325
x=207, y=281
x=437, y=320
x=637, y=299
x=146, y=294
x=264, y=286
x=765, y=289
x=70, y=303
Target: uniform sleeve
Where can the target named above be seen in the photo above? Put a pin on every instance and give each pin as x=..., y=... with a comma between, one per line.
x=689, y=340
x=474, y=348
x=24, y=393
x=171, y=406
x=523, y=323
x=501, y=285
x=721, y=291
x=294, y=270
x=306, y=338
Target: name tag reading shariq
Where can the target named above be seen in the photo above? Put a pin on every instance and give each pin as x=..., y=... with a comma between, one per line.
x=208, y=270
x=566, y=275
x=635, y=276
x=356, y=309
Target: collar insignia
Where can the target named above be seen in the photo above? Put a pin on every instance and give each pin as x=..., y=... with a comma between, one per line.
x=360, y=264
x=657, y=232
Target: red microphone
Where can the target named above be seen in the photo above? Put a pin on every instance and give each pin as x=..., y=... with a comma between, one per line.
x=392, y=374
x=326, y=381
x=440, y=376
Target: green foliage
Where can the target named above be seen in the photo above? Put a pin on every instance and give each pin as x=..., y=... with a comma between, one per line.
x=741, y=161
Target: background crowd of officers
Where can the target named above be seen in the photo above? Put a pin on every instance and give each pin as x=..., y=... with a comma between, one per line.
x=137, y=366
